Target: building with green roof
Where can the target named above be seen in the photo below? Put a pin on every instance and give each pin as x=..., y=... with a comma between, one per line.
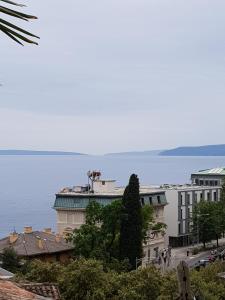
x=70, y=205
x=209, y=177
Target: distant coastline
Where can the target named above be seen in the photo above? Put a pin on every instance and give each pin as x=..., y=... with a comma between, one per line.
x=208, y=150
x=33, y=152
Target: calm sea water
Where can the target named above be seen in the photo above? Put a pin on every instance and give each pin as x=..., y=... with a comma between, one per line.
x=28, y=183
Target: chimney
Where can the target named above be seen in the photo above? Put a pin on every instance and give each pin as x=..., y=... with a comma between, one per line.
x=57, y=238
x=47, y=230
x=40, y=243
x=28, y=229
x=13, y=237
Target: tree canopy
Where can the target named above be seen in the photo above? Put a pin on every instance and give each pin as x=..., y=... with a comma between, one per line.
x=85, y=279
x=208, y=221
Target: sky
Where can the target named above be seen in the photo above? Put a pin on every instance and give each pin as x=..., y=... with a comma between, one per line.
x=115, y=75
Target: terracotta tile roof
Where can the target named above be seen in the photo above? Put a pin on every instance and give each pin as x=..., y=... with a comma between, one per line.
x=36, y=243
x=11, y=291
x=43, y=289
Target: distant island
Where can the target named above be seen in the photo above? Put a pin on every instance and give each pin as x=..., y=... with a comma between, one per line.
x=33, y=152
x=208, y=150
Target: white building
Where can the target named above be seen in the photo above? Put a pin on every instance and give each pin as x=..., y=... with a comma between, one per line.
x=178, y=213
x=70, y=204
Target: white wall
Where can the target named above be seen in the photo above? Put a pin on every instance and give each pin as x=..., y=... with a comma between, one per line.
x=101, y=186
x=171, y=213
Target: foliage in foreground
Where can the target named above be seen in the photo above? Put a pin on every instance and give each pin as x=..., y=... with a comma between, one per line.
x=86, y=279
x=14, y=32
x=10, y=260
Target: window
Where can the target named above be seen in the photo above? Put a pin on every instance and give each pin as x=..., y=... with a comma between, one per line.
x=215, y=196
x=206, y=182
x=216, y=182
x=103, y=182
x=196, y=181
x=201, y=196
x=179, y=229
x=143, y=201
x=208, y=196
x=150, y=200
x=181, y=214
x=196, y=196
x=188, y=199
x=201, y=182
x=158, y=199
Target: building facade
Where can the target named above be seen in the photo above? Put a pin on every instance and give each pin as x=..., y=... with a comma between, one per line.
x=70, y=205
x=178, y=213
x=209, y=177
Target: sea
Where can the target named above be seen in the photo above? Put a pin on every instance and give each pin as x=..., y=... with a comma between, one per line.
x=28, y=183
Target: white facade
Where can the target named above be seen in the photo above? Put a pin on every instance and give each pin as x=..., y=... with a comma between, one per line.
x=104, y=186
x=178, y=212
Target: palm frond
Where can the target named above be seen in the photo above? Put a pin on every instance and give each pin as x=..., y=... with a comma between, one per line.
x=14, y=32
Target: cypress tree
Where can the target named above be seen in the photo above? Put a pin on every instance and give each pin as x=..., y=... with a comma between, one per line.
x=131, y=223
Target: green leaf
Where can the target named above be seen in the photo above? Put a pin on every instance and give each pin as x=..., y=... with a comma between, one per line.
x=13, y=3
x=12, y=30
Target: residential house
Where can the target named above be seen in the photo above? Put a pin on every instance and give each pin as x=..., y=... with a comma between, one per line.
x=44, y=245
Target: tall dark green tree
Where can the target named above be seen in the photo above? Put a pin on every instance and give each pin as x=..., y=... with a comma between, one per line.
x=131, y=237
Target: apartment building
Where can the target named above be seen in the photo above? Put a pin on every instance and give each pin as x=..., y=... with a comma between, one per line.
x=70, y=205
x=178, y=213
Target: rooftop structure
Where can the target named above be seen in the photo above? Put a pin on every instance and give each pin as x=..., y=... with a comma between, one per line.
x=37, y=244
x=211, y=177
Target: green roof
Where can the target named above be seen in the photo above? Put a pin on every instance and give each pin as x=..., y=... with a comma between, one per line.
x=215, y=171
x=63, y=202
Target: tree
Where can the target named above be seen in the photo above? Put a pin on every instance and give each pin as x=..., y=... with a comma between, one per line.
x=131, y=234
x=98, y=237
x=208, y=221
x=14, y=32
x=86, y=280
x=10, y=260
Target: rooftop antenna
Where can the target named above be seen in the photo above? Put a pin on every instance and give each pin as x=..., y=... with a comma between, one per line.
x=93, y=176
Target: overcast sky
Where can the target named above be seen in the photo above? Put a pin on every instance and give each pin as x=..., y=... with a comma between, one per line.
x=115, y=75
